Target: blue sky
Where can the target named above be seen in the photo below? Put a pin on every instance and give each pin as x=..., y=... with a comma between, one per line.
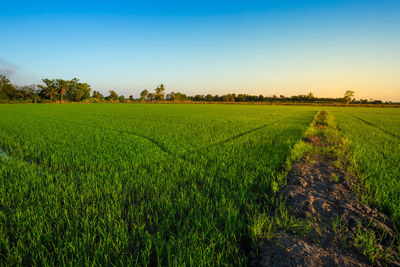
x=255, y=47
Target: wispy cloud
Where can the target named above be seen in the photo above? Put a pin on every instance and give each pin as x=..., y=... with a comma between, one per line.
x=7, y=68
x=17, y=74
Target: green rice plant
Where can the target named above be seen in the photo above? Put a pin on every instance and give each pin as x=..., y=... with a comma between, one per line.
x=334, y=178
x=340, y=230
x=366, y=240
x=288, y=223
x=263, y=228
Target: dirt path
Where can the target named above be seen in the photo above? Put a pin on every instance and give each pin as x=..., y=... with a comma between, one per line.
x=345, y=231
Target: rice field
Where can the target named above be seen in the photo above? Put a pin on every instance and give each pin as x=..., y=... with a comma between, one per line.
x=139, y=184
x=374, y=135
x=158, y=184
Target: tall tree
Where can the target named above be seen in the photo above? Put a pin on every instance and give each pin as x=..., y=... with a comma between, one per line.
x=26, y=92
x=170, y=96
x=198, y=98
x=78, y=91
x=62, y=87
x=7, y=90
x=176, y=96
x=180, y=97
x=97, y=95
x=49, y=90
x=144, y=94
x=209, y=97
x=121, y=99
x=160, y=91
x=113, y=95
x=3, y=80
x=152, y=96
x=348, y=95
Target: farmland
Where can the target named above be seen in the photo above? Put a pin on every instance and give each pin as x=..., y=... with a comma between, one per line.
x=375, y=141
x=163, y=184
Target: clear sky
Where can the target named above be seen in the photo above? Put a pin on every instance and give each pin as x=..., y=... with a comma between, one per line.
x=257, y=47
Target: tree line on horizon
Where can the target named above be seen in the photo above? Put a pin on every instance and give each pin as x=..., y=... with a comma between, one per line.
x=59, y=90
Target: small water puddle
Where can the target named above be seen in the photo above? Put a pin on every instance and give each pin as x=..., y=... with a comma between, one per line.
x=3, y=155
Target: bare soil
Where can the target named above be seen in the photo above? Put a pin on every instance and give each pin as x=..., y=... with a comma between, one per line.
x=317, y=189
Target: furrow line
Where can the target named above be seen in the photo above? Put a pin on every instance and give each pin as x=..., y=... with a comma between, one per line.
x=375, y=126
x=161, y=147
x=234, y=137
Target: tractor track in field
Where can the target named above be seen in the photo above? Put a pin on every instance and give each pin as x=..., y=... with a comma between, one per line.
x=158, y=144
x=217, y=143
x=236, y=136
x=345, y=231
x=375, y=126
x=183, y=156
